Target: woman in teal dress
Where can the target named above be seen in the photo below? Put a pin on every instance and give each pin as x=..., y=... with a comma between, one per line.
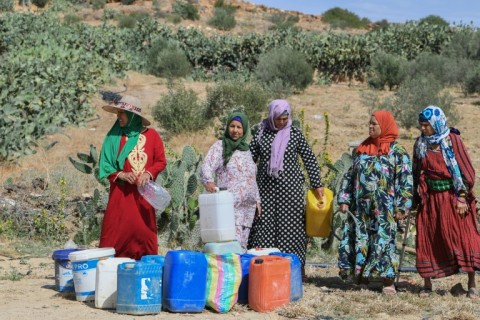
x=377, y=190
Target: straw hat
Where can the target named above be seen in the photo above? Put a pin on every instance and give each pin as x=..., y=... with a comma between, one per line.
x=127, y=103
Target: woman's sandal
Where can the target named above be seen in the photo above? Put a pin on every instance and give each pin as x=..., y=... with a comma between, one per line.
x=473, y=294
x=389, y=290
x=425, y=292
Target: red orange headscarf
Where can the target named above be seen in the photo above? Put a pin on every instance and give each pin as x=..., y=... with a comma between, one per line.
x=380, y=145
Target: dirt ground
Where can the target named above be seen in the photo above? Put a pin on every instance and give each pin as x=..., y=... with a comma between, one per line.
x=27, y=291
x=34, y=297
x=27, y=282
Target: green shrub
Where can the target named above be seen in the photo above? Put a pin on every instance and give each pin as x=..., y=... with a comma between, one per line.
x=98, y=4
x=386, y=70
x=130, y=21
x=226, y=95
x=185, y=10
x=279, y=89
x=222, y=19
x=174, y=18
x=227, y=7
x=179, y=111
x=288, y=65
x=465, y=43
x=40, y=3
x=416, y=94
x=7, y=5
x=429, y=64
x=109, y=14
x=166, y=59
x=127, y=22
x=456, y=69
x=71, y=19
x=472, y=81
x=342, y=18
x=283, y=20
x=127, y=2
x=434, y=20
x=380, y=25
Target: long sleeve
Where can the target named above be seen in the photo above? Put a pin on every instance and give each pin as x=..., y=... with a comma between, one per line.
x=464, y=161
x=416, y=171
x=345, y=193
x=255, y=147
x=403, y=179
x=309, y=161
x=213, y=160
x=159, y=159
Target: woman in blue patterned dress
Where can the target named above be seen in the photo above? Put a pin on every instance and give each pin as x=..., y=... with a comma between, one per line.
x=377, y=190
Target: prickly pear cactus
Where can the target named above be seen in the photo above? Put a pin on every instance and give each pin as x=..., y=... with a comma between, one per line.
x=88, y=164
x=180, y=178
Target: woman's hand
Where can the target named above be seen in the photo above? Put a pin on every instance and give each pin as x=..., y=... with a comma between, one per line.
x=143, y=179
x=343, y=208
x=461, y=206
x=400, y=215
x=210, y=187
x=319, y=192
x=259, y=210
x=129, y=177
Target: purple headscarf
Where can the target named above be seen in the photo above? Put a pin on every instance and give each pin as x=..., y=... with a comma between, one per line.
x=276, y=108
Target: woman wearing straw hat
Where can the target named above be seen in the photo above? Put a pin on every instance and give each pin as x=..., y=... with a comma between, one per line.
x=131, y=155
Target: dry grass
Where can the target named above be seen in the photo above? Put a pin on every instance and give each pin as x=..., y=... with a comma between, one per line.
x=328, y=297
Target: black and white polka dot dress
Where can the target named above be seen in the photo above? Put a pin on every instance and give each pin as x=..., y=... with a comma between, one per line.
x=282, y=222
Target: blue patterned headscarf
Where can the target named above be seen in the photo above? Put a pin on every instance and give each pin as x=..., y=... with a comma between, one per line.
x=435, y=116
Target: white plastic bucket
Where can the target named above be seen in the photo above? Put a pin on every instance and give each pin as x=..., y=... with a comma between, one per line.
x=106, y=282
x=84, y=266
x=262, y=251
x=217, y=220
x=63, y=270
x=220, y=248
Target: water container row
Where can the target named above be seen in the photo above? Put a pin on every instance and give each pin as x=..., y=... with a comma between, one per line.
x=181, y=281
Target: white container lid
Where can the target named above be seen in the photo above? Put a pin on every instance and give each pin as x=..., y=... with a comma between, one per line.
x=112, y=263
x=90, y=254
x=262, y=251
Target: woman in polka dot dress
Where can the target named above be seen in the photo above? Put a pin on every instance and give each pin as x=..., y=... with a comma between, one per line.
x=275, y=148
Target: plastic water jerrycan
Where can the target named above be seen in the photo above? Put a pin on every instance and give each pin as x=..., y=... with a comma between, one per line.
x=319, y=213
x=217, y=220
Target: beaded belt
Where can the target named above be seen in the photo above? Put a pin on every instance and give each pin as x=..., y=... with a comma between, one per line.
x=439, y=185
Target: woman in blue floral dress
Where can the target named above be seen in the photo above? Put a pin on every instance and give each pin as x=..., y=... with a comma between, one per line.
x=377, y=190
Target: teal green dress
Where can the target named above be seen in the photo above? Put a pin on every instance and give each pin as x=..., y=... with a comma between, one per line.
x=374, y=188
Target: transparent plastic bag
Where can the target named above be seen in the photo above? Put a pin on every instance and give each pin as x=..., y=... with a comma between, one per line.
x=155, y=194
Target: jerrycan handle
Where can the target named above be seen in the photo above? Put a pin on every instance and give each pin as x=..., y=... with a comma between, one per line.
x=258, y=261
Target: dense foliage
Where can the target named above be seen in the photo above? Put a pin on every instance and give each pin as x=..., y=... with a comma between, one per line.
x=6, y=5
x=286, y=66
x=49, y=70
x=342, y=18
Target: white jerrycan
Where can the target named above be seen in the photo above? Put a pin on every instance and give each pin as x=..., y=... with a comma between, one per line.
x=217, y=220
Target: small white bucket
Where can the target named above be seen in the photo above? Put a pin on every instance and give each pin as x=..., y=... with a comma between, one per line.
x=220, y=248
x=106, y=282
x=84, y=266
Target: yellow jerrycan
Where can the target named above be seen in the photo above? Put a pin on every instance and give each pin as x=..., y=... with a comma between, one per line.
x=319, y=213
